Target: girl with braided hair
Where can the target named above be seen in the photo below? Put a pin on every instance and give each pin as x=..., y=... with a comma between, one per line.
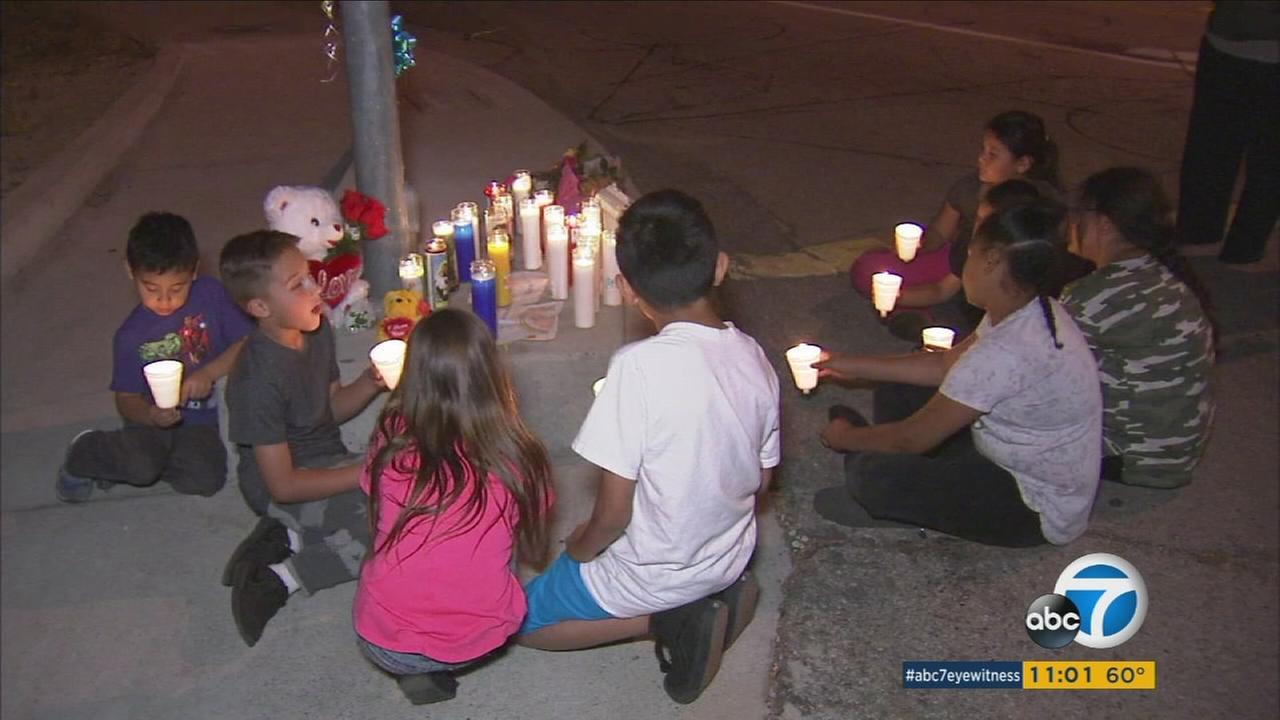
x=1006, y=451
x=1145, y=316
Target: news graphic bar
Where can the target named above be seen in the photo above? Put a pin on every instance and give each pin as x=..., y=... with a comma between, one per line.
x=961, y=675
x=1029, y=674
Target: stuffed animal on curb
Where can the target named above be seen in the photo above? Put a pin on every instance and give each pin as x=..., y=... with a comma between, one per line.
x=334, y=260
x=402, y=309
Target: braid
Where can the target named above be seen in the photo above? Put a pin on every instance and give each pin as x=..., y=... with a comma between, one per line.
x=1048, y=318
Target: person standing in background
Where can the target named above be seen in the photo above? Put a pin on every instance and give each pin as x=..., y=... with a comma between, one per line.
x=1235, y=117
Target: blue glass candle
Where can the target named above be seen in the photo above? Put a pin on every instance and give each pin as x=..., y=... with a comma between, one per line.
x=464, y=241
x=484, y=293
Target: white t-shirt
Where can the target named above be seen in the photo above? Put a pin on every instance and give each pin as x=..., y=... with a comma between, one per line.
x=1042, y=412
x=691, y=415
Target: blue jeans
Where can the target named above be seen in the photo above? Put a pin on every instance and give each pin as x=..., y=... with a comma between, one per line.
x=399, y=663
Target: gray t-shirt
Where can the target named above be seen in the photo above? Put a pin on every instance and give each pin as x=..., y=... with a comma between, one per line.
x=1042, y=412
x=276, y=394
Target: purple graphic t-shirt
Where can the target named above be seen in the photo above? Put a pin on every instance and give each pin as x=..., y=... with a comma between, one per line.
x=196, y=333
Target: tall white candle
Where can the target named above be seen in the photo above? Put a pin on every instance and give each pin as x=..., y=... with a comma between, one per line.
x=558, y=261
x=609, y=245
x=553, y=215
x=589, y=239
x=521, y=187
x=530, y=234
x=584, y=287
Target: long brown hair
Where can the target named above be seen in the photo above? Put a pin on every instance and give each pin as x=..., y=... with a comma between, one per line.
x=456, y=408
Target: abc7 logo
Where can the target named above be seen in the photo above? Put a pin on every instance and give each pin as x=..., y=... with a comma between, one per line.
x=1100, y=601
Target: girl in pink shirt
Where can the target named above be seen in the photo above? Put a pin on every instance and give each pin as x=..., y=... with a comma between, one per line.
x=455, y=481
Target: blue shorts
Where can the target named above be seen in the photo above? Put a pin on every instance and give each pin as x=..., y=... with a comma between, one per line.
x=558, y=595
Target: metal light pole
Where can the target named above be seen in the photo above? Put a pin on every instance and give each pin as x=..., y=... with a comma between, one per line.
x=376, y=126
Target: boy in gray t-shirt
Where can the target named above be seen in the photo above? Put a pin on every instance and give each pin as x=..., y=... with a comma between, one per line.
x=284, y=406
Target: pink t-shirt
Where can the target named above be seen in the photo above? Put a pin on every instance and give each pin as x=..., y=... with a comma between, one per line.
x=451, y=598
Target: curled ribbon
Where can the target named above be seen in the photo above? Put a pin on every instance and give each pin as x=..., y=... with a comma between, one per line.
x=330, y=41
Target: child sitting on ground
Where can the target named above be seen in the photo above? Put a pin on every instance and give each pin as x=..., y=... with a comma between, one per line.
x=285, y=403
x=453, y=478
x=1015, y=145
x=181, y=316
x=685, y=431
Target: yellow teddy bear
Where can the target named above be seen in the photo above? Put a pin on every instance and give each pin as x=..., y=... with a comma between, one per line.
x=402, y=309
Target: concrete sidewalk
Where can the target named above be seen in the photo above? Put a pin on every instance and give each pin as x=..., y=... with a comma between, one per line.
x=113, y=609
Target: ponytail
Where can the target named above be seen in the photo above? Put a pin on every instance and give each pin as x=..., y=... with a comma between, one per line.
x=1024, y=134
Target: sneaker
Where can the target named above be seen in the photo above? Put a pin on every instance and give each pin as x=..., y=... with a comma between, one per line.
x=72, y=488
x=740, y=598
x=429, y=687
x=693, y=635
x=257, y=594
x=266, y=544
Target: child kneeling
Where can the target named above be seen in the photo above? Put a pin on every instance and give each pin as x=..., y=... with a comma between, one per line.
x=453, y=479
x=685, y=431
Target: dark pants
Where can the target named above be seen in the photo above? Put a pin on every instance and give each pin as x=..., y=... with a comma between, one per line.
x=191, y=458
x=953, y=489
x=1235, y=117
x=334, y=532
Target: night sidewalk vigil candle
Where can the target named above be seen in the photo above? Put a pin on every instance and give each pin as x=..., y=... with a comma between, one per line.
x=558, y=261
x=477, y=240
x=412, y=273
x=584, y=288
x=507, y=206
x=484, y=293
x=464, y=242
x=612, y=293
x=500, y=254
x=521, y=187
x=530, y=234
x=438, y=280
x=884, y=291
x=443, y=231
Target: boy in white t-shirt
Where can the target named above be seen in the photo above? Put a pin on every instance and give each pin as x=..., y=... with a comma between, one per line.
x=685, y=431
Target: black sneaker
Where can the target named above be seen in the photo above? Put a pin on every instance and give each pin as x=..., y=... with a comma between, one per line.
x=693, y=636
x=267, y=543
x=257, y=594
x=429, y=687
x=740, y=598
x=72, y=488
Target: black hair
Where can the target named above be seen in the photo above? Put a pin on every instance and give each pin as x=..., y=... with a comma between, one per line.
x=1024, y=134
x=667, y=249
x=1010, y=193
x=161, y=242
x=246, y=260
x=1135, y=203
x=1029, y=235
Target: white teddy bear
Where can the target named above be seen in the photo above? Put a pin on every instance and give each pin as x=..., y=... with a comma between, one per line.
x=312, y=214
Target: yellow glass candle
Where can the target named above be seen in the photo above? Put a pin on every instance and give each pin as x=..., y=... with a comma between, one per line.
x=500, y=254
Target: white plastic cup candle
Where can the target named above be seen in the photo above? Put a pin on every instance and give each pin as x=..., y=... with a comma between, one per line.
x=584, y=288
x=597, y=386
x=388, y=357
x=164, y=377
x=937, y=338
x=558, y=261
x=884, y=291
x=906, y=237
x=530, y=234
x=800, y=358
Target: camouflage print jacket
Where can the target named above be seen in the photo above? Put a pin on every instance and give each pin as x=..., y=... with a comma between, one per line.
x=1154, y=349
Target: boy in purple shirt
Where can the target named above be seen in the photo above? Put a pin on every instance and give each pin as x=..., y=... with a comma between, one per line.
x=180, y=317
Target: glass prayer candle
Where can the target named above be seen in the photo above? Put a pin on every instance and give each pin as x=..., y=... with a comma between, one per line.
x=412, y=272
x=484, y=293
x=477, y=240
x=584, y=286
x=521, y=188
x=464, y=242
x=437, y=280
x=530, y=234
x=500, y=255
x=443, y=231
x=558, y=261
x=609, y=243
